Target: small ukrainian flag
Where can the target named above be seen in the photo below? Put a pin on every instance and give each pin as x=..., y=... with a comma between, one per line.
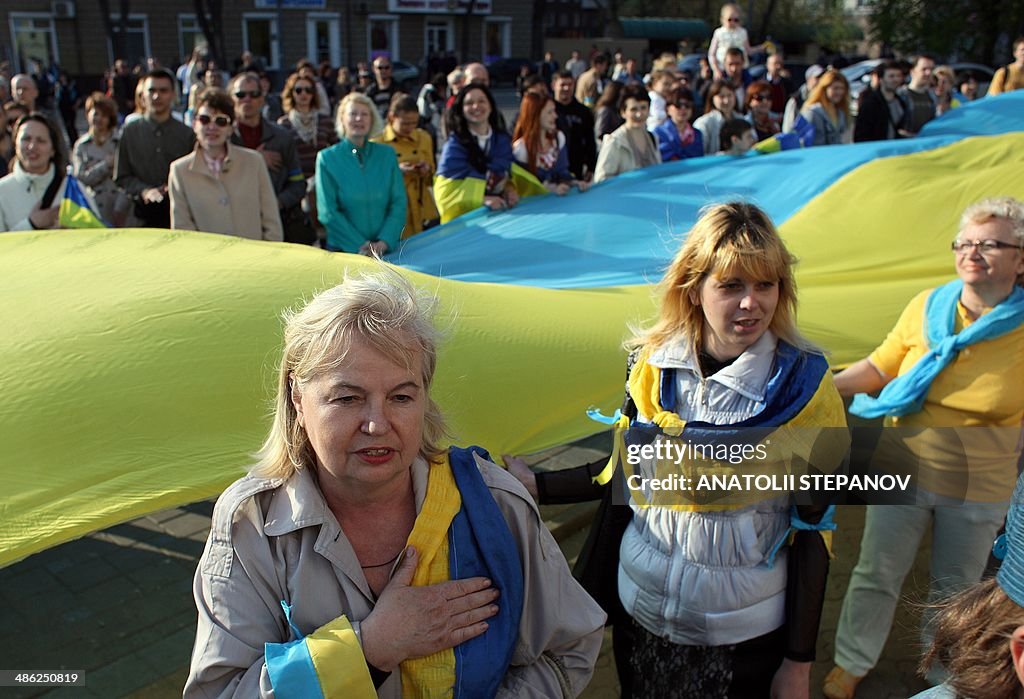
x=76, y=210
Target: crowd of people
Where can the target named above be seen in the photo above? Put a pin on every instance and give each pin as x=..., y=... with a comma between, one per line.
x=368, y=549
x=448, y=146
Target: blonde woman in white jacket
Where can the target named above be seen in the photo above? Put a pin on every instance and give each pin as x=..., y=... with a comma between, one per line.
x=40, y=159
x=631, y=146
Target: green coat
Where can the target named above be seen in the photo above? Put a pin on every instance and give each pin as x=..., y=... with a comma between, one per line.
x=360, y=195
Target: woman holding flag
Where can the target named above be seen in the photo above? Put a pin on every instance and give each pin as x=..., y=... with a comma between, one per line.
x=715, y=596
x=949, y=373
x=31, y=195
x=361, y=558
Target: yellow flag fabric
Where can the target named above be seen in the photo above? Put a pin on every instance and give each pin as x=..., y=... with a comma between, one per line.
x=136, y=365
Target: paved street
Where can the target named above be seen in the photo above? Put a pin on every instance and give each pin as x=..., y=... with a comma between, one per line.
x=117, y=604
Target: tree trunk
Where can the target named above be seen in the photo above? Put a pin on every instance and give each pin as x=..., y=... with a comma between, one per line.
x=470, y=6
x=766, y=20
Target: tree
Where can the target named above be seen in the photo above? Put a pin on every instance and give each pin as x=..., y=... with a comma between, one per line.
x=210, y=15
x=116, y=33
x=915, y=26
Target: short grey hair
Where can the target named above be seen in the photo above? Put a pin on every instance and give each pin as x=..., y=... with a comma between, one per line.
x=1004, y=208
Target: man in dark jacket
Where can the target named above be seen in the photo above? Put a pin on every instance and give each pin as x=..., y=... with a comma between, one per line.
x=881, y=111
x=577, y=123
x=277, y=146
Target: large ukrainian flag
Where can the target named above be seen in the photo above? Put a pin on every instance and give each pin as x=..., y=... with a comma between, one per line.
x=136, y=366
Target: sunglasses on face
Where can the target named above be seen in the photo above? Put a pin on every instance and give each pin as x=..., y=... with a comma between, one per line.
x=733, y=19
x=219, y=120
x=383, y=67
x=242, y=94
x=758, y=98
x=302, y=90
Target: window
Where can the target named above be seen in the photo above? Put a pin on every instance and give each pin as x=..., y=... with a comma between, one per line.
x=382, y=36
x=497, y=38
x=189, y=35
x=136, y=41
x=323, y=42
x=34, y=39
x=439, y=36
x=260, y=37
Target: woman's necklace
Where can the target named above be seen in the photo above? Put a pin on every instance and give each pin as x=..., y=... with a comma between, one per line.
x=388, y=562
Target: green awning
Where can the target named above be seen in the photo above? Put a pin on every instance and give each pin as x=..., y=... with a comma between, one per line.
x=671, y=28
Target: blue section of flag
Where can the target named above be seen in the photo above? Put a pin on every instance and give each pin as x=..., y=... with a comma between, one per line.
x=625, y=231
x=75, y=209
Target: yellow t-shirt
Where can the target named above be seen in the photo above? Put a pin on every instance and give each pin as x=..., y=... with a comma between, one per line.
x=965, y=440
x=1015, y=81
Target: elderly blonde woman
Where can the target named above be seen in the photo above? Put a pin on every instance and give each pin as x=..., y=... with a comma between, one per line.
x=948, y=379
x=360, y=195
x=220, y=187
x=360, y=558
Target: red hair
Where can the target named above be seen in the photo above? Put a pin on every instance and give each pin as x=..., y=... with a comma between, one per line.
x=528, y=127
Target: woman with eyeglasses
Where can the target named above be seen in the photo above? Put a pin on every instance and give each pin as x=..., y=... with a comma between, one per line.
x=360, y=195
x=759, y=110
x=677, y=139
x=220, y=187
x=949, y=373
x=828, y=109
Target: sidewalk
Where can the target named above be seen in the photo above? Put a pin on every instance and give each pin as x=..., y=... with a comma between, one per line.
x=117, y=605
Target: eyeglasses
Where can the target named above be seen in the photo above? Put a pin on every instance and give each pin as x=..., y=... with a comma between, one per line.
x=682, y=104
x=302, y=90
x=242, y=94
x=983, y=246
x=759, y=98
x=733, y=19
x=383, y=67
x=219, y=120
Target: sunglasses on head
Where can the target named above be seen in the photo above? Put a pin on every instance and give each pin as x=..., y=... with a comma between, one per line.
x=302, y=90
x=242, y=94
x=219, y=120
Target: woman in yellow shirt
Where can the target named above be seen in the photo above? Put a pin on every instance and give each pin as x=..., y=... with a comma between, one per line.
x=415, y=151
x=950, y=375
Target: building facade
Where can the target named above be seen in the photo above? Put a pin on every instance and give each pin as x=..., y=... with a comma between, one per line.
x=74, y=34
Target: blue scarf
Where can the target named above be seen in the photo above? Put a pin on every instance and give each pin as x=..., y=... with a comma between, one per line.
x=905, y=394
x=481, y=544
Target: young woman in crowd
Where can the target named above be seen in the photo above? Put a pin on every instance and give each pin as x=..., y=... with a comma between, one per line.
x=476, y=162
x=360, y=195
x=415, y=150
x=93, y=157
x=220, y=187
x=31, y=194
x=827, y=109
x=759, y=110
x=313, y=130
x=606, y=111
x=539, y=146
x=721, y=598
x=677, y=138
x=719, y=107
x=631, y=146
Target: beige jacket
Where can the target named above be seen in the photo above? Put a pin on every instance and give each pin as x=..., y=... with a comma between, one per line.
x=617, y=155
x=276, y=540
x=240, y=202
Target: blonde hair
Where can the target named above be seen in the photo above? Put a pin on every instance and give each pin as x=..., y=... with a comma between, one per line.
x=376, y=122
x=729, y=238
x=381, y=308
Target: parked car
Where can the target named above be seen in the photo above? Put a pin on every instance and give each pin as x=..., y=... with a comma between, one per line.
x=982, y=73
x=405, y=74
x=506, y=70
